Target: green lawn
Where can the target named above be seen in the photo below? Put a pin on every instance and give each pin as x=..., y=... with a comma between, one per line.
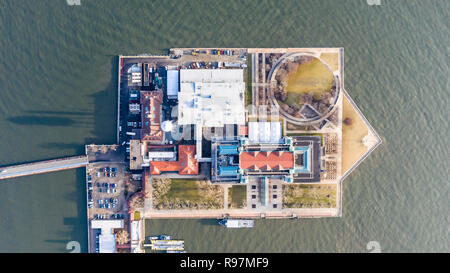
x=309, y=196
x=237, y=196
x=311, y=77
x=186, y=189
x=137, y=215
x=186, y=194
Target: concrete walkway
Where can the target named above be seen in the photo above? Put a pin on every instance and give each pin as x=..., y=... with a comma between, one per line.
x=43, y=166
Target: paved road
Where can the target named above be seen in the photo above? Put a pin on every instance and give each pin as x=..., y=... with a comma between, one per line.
x=43, y=167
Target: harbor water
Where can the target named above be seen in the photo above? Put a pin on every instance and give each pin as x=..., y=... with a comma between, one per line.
x=58, y=80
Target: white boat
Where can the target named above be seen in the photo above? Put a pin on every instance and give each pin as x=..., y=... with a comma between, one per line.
x=237, y=223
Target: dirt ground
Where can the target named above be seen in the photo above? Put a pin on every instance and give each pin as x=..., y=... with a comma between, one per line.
x=332, y=59
x=352, y=135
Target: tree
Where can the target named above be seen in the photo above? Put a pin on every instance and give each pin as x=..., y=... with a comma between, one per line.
x=348, y=121
x=137, y=201
x=122, y=237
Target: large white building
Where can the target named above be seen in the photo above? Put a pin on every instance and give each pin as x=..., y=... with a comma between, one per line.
x=211, y=97
x=264, y=132
x=107, y=239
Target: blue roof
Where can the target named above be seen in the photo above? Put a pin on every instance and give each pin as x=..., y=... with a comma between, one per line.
x=228, y=150
x=228, y=170
x=173, y=83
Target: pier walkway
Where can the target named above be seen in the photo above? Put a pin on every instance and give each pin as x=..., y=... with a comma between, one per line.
x=43, y=166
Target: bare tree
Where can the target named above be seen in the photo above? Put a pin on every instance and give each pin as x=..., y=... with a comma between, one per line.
x=122, y=237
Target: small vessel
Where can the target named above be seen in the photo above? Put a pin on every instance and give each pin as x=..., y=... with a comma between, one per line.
x=236, y=223
x=165, y=237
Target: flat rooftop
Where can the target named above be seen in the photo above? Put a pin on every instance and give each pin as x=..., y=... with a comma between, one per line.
x=211, y=97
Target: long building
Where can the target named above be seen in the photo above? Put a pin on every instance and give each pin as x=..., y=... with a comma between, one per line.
x=151, y=103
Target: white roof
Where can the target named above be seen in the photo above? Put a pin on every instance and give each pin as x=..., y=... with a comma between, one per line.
x=107, y=240
x=211, y=97
x=161, y=154
x=107, y=243
x=106, y=225
x=211, y=75
x=275, y=132
x=134, y=230
x=264, y=132
x=172, y=83
x=134, y=69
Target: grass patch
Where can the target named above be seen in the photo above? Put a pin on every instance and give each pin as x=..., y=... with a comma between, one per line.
x=310, y=78
x=184, y=189
x=186, y=194
x=137, y=215
x=238, y=196
x=309, y=196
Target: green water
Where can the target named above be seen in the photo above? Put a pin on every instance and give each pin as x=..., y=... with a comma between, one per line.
x=58, y=86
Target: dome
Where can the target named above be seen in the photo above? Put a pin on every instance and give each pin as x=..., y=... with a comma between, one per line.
x=167, y=126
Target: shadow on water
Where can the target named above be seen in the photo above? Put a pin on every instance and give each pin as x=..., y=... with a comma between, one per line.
x=209, y=222
x=104, y=130
x=69, y=113
x=64, y=146
x=105, y=110
x=76, y=226
x=36, y=120
x=56, y=241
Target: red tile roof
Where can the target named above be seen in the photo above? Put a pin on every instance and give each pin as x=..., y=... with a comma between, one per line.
x=267, y=160
x=151, y=102
x=242, y=130
x=186, y=164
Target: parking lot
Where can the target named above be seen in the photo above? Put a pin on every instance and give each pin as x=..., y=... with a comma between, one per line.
x=106, y=185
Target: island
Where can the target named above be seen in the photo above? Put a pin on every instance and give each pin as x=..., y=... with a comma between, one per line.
x=222, y=133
